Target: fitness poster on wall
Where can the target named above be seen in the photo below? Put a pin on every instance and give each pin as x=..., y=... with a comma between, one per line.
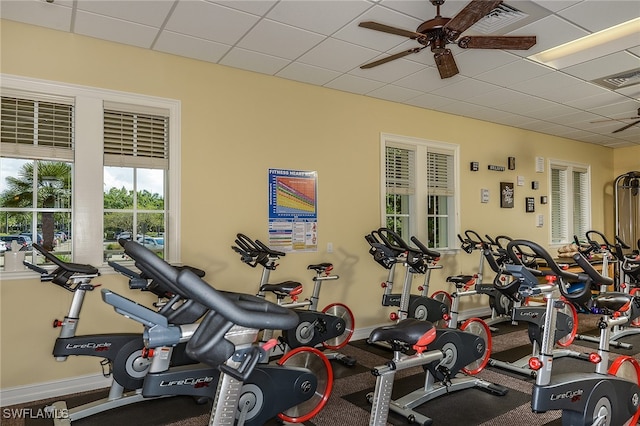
x=293, y=210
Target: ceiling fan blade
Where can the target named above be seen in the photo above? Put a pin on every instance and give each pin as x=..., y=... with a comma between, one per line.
x=497, y=42
x=391, y=58
x=468, y=16
x=446, y=64
x=391, y=30
x=626, y=127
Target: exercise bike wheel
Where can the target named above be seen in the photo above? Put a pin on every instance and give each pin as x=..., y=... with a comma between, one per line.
x=341, y=311
x=569, y=310
x=316, y=362
x=627, y=368
x=446, y=299
x=480, y=328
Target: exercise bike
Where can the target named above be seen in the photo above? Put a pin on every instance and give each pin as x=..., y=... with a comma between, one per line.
x=248, y=391
x=452, y=358
x=332, y=327
x=122, y=353
x=610, y=395
x=389, y=249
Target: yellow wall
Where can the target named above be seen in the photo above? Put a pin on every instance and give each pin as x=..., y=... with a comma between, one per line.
x=626, y=160
x=235, y=126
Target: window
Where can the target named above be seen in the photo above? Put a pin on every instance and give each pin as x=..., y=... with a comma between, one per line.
x=135, y=157
x=54, y=138
x=420, y=189
x=570, y=202
x=36, y=170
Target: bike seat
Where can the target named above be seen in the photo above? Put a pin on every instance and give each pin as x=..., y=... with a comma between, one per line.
x=410, y=331
x=460, y=280
x=614, y=301
x=286, y=288
x=321, y=267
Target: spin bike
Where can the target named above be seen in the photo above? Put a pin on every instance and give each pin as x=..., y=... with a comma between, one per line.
x=452, y=358
x=389, y=249
x=609, y=396
x=123, y=353
x=248, y=391
x=332, y=327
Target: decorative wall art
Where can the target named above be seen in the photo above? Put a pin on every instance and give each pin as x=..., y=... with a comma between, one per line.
x=506, y=195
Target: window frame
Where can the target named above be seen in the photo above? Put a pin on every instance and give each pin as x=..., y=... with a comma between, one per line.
x=570, y=168
x=418, y=216
x=89, y=156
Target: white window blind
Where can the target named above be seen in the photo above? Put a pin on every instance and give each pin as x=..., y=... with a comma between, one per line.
x=133, y=139
x=580, y=203
x=36, y=128
x=439, y=173
x=559, y=231
x=400, y=173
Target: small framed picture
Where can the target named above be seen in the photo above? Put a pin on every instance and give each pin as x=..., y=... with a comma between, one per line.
x=530, y=204
x=506, y=195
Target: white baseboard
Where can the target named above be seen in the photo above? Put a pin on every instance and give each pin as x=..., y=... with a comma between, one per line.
x=37, y=391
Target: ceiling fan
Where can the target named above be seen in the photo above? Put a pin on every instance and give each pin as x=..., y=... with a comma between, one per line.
x=436, y=33
x=636, y=118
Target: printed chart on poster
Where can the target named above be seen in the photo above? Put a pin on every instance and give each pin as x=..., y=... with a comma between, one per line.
x=293, y=210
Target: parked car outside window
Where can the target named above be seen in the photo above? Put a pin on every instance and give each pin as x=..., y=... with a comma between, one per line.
x=151, y=244
x=24, y=241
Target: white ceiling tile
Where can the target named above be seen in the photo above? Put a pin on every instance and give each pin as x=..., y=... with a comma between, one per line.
x=514, y=72
x=353, y=84
x=255, y=7
x=394, y=93
x=625, y=109
x=190, y=47
x=147, y=12
x=550, y=111
x=113, y=29
x=498, y=96
x=548, y=81
x=307, y=73
x=430, y=101
x=556, y=5
x=36, y=12
x=525, y=104
x=596, y=15
x=464, y=89
x=337, y=55
x=283, y=41
x=604, y=66
x=631, y=92
x=571, y=92
x=253, y=61
x=210, y=21
x=601, y=98
x=322, y=16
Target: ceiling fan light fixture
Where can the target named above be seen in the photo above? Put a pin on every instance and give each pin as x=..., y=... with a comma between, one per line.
x=614, y=39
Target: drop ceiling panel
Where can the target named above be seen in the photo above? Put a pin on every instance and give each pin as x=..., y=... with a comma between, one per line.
x=210, y=21
x=106, y=28
x=191, y=47
x=596, y=15
x=319, y=42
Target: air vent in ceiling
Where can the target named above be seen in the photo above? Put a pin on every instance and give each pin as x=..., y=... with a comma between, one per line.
x=620, y=80
x=500, y=17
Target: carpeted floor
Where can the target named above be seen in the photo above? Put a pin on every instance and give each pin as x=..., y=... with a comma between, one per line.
x=348, y=405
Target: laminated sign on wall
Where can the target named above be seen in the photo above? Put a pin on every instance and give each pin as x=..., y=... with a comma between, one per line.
x=293, y=218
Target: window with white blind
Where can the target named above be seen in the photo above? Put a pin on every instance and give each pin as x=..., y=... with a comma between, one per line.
x=36, y=169
x=570, y=202
x=56, y=140
x=136, y=153
x=420, y=189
